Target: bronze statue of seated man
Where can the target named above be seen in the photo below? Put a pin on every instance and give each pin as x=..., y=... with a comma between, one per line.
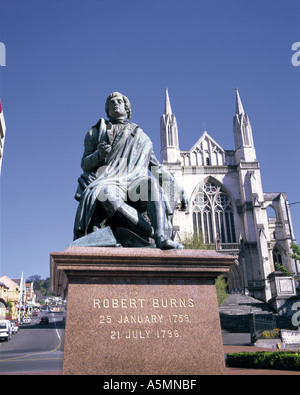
x=116, y=189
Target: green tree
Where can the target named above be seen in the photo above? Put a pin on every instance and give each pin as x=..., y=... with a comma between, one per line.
x=10, y=307
x=43, y=286
x=33, y=278
x=221, y=286
x=294, y=255
x=196, y=242
x=296, y=252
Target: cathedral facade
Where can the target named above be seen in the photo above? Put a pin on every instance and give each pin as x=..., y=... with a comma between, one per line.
x=227, y=204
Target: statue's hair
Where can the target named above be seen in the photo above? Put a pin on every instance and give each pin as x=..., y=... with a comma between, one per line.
x=126, y=102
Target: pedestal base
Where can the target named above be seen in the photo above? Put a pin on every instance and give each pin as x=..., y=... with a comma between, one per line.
x=140, y=311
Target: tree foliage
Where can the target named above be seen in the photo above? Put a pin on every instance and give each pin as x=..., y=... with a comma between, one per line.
x=294, y=255
x=296, y=252
x=221, y=286
x=196, y=242
x=43, y=286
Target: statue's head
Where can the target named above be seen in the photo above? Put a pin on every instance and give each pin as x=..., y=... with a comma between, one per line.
x=115, y=96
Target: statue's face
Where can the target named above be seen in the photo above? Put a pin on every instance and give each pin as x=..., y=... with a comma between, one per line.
x=116, y=107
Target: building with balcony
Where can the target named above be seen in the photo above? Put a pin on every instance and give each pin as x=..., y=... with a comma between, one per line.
x=3, y=300
x=12, y=294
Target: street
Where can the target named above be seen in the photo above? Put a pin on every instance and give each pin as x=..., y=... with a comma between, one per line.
x=35, y=348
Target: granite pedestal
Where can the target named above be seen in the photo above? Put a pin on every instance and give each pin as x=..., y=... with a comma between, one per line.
x=139, y=311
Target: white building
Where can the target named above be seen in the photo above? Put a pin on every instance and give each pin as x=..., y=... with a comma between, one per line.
x=227, y=203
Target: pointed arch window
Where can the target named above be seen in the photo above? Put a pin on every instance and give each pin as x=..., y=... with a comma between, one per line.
x=277, y=258
x=213, y=215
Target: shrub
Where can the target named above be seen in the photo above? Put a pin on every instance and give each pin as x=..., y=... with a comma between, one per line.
x=221, y=288
x=270, y=334
x=280, y=360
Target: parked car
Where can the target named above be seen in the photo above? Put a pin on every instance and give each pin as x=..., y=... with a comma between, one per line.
x=44, y=321
x=5, y=330
x=34, y=314
x=27, y=320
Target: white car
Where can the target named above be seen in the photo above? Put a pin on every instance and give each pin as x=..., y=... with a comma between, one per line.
x=5, y=330
x=26, y=320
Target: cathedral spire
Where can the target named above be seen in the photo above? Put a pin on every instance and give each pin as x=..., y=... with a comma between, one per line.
x=169, y=134
x=239, y=106
x=168, y=109
x=242, y=130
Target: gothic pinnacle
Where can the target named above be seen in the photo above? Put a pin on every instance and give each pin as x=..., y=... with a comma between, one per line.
x=239, y=106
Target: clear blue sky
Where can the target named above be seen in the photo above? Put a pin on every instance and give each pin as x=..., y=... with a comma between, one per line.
x=63, y=58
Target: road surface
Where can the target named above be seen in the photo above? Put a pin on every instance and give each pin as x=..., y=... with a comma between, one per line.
x=35, y=348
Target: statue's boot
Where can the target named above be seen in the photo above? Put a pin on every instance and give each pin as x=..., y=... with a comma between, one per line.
x=157, y=214
x=167, y=244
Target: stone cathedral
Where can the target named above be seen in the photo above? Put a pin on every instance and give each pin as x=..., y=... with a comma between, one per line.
x=227, y=204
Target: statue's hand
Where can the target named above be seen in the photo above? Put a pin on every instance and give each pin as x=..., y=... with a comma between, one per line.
x=104, y=149
x=184, y=201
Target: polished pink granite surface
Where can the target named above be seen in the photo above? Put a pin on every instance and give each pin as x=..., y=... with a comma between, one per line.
x=140, y=311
